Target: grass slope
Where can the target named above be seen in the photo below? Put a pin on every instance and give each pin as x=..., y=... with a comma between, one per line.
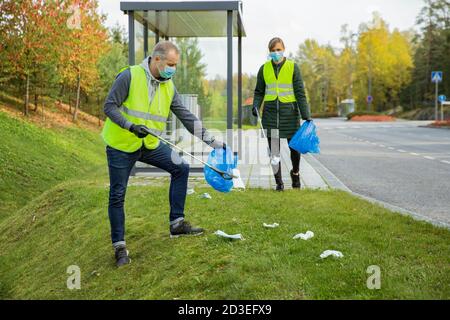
x=68, y=225
x=34, y=159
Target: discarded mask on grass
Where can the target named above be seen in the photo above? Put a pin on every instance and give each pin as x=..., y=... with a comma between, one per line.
x=206, y=196
x=333, y=253
x=304, y=236
x=222, y=234
x=271, y=226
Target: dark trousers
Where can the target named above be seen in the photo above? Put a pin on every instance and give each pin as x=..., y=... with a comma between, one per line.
x=274, y=146
x=120, y=164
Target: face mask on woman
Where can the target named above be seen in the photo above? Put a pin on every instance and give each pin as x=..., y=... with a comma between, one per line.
x=276, y=56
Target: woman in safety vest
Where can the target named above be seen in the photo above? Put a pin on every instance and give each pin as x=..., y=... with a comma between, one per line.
x=280, y=87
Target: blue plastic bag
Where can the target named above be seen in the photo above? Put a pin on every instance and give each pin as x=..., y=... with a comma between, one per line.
x=305, y=139
x=222, y=160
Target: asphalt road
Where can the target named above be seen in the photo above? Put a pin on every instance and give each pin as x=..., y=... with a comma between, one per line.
x=401, y=163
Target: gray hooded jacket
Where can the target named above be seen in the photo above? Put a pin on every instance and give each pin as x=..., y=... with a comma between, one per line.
x=119, y=93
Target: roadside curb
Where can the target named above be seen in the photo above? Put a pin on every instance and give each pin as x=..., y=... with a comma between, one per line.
x=335, y=183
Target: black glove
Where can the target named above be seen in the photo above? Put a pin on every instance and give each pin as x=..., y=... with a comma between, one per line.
x=309, y=119
x=255, y=111
x=139, y=130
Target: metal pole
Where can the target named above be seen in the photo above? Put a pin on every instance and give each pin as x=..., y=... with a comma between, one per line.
x=369, y=102
x=240, y=93
x=157, y=27
x=131, y=52
x=436, y=101
x=230, y=79
x=145, y=39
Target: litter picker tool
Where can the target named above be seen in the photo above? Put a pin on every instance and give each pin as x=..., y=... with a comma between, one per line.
x=223, y=174
x=273, y=159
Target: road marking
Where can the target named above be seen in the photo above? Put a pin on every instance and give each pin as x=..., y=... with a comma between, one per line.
x=414, y=154
x=402, y=151
x=429, y=158
x=445, y=161
x=382, y=145
x=390, y=148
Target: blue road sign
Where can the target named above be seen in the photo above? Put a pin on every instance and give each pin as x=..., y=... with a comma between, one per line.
x=436, y=76
x=369, y=99
x=442, y=98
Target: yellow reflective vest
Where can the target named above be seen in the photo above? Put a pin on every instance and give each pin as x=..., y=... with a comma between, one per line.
x=138, y=109
x=281, y=88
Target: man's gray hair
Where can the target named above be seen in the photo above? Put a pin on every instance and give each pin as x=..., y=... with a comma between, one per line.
x=162, y=48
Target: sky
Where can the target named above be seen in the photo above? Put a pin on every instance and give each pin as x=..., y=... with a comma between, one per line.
x=292, y=20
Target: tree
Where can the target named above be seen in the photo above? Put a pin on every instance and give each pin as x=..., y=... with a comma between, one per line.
x=191, y=71
x=383, y=66
x=85, y=43
x=30, y=38
x=108, y=67
x=318, y=65
x=432, y=53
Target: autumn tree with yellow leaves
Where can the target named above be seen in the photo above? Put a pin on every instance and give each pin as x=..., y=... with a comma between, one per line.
x=383, y=67
x=374, y=61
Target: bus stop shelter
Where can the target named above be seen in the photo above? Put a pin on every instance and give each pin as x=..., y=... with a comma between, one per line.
x=200, y=19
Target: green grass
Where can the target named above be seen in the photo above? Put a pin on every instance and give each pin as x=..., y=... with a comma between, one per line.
x=34, y=159
x=53, y=197
x=70, y=227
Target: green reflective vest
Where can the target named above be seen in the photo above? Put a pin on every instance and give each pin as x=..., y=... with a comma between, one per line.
x=282, y=87
x=138, y=109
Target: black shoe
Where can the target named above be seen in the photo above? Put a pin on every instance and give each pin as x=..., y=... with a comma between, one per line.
x=183, y=228
x=279, y=181
x=295, y=180
x=122, y=258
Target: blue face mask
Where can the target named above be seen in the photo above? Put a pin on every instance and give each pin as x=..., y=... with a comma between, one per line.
x=168, y=72
x=276, y=56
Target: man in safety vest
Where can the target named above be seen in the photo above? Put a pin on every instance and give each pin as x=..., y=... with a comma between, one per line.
x=141, y=98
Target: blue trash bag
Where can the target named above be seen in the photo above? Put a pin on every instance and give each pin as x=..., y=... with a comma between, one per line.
x=222, y=160
x=305, y=139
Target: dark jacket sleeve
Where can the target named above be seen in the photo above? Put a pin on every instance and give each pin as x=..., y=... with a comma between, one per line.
x=300, y=96
x=116, y=97
x=189, y=120
x=260, y=89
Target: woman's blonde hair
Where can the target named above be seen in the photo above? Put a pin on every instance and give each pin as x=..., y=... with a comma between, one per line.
x=274, y=42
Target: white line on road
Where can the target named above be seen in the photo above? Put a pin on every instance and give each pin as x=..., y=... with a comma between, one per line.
x=390, y=148
x=445, y=161
x=382, y=145
x=429, y=158
x=402, y=151
x=414, y=154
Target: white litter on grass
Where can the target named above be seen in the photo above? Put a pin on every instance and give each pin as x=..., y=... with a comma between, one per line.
x=190, y=191
x=304, y=236
x=334, y=253
x=206, y=196
x=222, y=234
x=272, y=226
